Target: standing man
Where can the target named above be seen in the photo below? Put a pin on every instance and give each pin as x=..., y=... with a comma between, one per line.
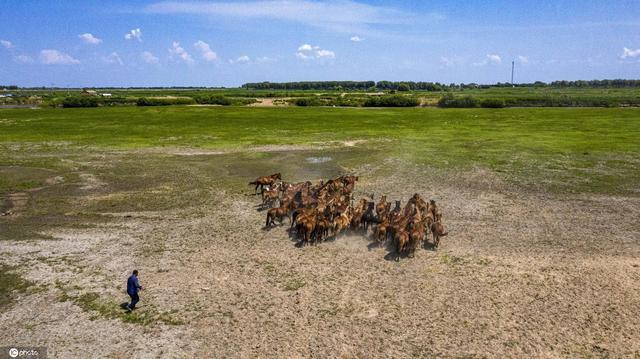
x=133, y=287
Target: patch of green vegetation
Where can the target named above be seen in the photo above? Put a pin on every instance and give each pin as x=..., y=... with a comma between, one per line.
x=109, y=309
x=294, y=284
x=11, y=283
x=452, y=260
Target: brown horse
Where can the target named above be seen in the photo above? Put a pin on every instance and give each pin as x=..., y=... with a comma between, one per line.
x=402, y=242
x=381, y=207
x=306, y=226
x=417, y=235
x=381, y=231
x=270, y=196
x=279, y=213
x=322, y=228
x=342, y=222
x=265, y=181
x=437, y=229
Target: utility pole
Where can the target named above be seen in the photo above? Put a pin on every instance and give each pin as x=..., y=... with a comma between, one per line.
x=513, y=64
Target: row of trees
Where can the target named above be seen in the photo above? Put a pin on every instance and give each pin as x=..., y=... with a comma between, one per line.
x=311, y=85
x=429, y=86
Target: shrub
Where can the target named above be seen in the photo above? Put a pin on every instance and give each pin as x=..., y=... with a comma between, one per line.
x=80, y=101
x=493, y=103
x=307, y=101
x=223, y=100
x=391, y=101
x=449, y=100
x=164, y=101
x=213, y=100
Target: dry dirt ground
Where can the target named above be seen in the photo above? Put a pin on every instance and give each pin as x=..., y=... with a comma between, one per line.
x=521, y=274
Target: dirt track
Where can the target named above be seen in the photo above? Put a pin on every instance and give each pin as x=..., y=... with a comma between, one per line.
x=521, y=275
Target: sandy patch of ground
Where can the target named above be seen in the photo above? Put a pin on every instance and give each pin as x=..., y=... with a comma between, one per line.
x=271, y=102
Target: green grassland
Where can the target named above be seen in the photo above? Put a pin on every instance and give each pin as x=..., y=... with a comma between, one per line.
x=570, y=149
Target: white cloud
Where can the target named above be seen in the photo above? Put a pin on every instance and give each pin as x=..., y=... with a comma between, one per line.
x=244, y=59
x=55, y=57
x=134, y=34
x=306, y=47
x=88, y=38
x=113, y=58
x=302, y=56
x=206, y=51
x=490, y=59
x=309, y=52
x=326, y=53
x=337, y=15
x=523, y=59
x=23, y=59
x=265, y=60
x=629, y=53
x=150, y=58
x=446, y=61
x=494, y=59
x=179, y=51
x=356, y=38
x=6, y=44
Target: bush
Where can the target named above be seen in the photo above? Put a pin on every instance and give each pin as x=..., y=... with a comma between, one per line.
x=223, y=100
x=80, y=101
x=164, y=101
x=213, y=100
x=449, y=100
x=391, y=101
x=307, y=101
x=493, y=103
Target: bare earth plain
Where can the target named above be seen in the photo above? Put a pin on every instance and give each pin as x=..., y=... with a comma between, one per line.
x=526, y=270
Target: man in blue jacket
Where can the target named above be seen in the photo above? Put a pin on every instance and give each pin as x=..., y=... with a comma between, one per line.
x=133, y=287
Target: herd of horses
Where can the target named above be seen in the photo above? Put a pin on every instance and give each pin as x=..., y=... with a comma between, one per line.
x=326, y=209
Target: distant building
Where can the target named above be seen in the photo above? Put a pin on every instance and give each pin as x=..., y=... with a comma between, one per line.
x=106, y=95
x=89, y=92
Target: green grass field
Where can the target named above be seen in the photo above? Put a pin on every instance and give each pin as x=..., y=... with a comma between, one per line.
x=567, y=149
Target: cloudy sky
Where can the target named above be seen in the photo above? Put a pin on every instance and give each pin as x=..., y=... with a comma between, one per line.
x=227, y=43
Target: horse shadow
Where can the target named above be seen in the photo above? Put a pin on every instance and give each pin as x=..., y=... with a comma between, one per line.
x=429, y=246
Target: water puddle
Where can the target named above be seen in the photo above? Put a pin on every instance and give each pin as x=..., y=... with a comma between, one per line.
x=318, y=159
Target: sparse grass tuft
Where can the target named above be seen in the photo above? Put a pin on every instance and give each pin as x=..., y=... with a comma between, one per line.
x=452, y=260
x=92, y=302
x=11, y=284
x=294, y=284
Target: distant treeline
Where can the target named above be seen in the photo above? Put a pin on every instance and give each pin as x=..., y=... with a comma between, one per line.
x=429, y=86
x=311, y=85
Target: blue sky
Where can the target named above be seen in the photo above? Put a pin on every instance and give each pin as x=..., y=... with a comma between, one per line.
x=227, y=43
